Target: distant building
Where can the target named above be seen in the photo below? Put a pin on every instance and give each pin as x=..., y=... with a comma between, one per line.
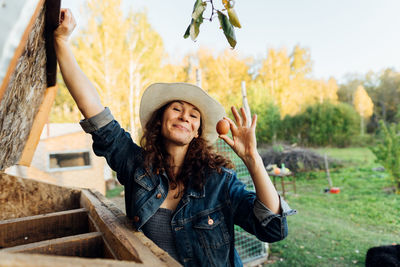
x=64, y=156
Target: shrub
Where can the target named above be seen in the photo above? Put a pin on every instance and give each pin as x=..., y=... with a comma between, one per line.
x=322, y=124
x=387, y=151
x=268, y=121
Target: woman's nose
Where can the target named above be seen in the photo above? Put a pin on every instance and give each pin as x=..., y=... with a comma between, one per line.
x=184, y=116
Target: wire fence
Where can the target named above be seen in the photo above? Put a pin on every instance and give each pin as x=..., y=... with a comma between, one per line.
x=247, y=245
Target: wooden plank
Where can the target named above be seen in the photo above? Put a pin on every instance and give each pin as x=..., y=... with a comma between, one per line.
x=19, y=50
x=87, y=245
x=108, y=252
x=37, y=260
x=40, y=119
x=126, y=243
x=15, y=232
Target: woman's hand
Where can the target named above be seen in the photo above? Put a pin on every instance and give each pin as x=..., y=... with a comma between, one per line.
x=66, y=26
x=243, y=140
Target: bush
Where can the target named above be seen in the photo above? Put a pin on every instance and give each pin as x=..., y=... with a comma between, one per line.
x=387, y=151
x=321, y=125
x=268, y=121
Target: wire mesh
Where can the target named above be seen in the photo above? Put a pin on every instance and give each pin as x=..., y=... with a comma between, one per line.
x=247, y=245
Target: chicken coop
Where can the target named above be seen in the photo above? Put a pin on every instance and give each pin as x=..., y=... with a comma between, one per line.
x=251, y=250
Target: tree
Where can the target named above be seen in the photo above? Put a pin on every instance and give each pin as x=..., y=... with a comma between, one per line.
x=286, y=78
x=363, y=105
x=386, y=95
x=121, y=56
x=222, y=76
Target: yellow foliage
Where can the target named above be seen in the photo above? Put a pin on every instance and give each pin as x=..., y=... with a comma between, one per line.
x=363, y=103
x=285, y=79
x=222, y=76
x=121, y=56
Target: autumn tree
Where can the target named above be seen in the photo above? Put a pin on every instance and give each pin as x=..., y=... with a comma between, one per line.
x=121, y=54
x=222, y=76
x=286, y=78
x=385, y=93
x=363, y=105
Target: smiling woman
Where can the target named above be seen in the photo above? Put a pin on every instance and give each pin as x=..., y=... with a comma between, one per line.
x=180, y=123
x=178, y=191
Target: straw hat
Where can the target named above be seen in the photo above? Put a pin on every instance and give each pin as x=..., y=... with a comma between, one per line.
x=159, y=94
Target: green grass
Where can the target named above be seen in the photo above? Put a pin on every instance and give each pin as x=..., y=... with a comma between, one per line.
x=115, y=192
x=338, y=229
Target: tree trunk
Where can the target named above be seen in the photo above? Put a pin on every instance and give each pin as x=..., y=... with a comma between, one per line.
x=362, y=126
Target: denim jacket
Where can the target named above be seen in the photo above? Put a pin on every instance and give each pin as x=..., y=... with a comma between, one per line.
x=203, y=222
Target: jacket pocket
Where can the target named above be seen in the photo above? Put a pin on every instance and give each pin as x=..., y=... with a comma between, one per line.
x=211, y=230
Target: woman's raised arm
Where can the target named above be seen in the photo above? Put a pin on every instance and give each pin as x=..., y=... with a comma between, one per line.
x=78, y=84
x=244, y=144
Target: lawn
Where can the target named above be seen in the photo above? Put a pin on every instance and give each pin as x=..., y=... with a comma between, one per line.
x=338, y=229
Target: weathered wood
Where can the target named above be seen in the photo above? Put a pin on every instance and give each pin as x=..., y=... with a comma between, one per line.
x=37, y=127
x=19, y=50
x=89, y=245
x=126, y=243
x=36, y=260
x=21, y=197
x=15, y=232
x=108, y=252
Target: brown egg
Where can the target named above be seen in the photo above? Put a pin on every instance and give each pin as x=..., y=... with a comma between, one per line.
x=223, y=126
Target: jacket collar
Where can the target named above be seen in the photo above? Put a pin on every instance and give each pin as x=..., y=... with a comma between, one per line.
x=196, y=193
x=191, y=192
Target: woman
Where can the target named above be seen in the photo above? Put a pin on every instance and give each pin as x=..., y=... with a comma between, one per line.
x=179, y=192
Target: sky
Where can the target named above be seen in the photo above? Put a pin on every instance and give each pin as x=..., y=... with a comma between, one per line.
x=343, y=36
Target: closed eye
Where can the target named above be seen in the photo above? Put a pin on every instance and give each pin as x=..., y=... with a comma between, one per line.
x=177, y=109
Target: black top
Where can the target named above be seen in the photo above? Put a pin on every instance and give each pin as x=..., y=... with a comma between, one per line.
x=158, y=228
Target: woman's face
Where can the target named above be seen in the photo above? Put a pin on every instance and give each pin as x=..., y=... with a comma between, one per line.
x=180, y=123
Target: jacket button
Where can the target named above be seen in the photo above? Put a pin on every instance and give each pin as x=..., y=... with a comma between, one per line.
x=158, y=195
x=136, y=219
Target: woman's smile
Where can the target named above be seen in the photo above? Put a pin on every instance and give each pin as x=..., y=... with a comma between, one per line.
x=180, y=122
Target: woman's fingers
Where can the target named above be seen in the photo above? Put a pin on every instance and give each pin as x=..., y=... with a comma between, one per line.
x=254, y=122
x=236, y=116
x=228, y=140
x=232, y=124
x=66, y=25
x=244, y=116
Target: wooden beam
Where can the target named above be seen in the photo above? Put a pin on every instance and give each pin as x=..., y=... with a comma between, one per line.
x=20, y=231
x=37, y=260
x=19, y=50
x=108, y=252
x=52, y=22
x=118, y=233
x=89, y=245
x=40, y=119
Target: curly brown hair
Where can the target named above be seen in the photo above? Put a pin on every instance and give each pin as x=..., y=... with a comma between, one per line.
x=199, y=158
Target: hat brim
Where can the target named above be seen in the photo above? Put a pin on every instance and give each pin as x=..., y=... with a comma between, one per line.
x=159, y=94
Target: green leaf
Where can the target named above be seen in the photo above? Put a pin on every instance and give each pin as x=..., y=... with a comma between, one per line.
x=197, y=19
x=194, y=30
x=198, y=10
x=187, y=32
x=227, y=28
x=233, y=18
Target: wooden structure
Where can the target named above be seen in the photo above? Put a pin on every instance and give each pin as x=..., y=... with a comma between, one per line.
x=39, y=218
x=27, y=75
x=43, y=224
x=284, y=181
